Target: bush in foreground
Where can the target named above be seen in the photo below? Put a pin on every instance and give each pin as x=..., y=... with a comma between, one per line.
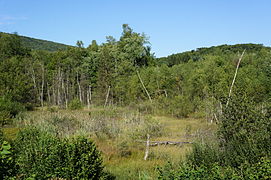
x=257, y=171
x=43, y=156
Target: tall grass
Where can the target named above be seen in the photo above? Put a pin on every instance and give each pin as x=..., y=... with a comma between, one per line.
x=119, y=132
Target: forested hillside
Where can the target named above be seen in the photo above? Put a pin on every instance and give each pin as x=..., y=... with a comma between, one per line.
x=38, y=44
x=125, y=73
x=200, y=53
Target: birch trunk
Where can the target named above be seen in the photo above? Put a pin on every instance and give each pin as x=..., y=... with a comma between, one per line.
x=65, y=94
x=48, y=94
x=107, y=95
x=79, y=88
x=234, y=78
x=144, y=86
x=42, y=86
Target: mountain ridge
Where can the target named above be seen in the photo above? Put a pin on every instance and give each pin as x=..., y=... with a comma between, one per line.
x=40, y=44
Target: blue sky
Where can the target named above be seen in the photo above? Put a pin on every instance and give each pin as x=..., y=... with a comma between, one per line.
x=172, y=25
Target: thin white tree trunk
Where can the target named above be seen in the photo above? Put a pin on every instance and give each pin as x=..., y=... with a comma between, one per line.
x=144, y=86
x=89, y=96
x=65, y=94
x=107, y=95
x=147, y=147
x=42, y=86
x=79, y=88
x=54, y=93
x=34, y=81
x=67, y=89
x=58, y=88
x=234, y=78
x=48, y=93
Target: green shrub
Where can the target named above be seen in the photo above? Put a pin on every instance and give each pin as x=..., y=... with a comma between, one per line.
x=75, y=104
x=152, y=127
x=242, y=150
x=178, y=106
x=1, y=136
x=205, y=154
x=260, y=170
x=123, y=149
x=43, y=156
x=257, y=171
x=82, y=160
x=146, y=126
x=7, y=165
x=181, y=106
x=188, y=171
x=36, y=153
x=146, y=107
x=9, y=109
x=244, y=132
x=52, y=109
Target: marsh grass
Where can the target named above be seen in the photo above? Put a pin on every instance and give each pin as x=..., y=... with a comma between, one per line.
x=117, y=132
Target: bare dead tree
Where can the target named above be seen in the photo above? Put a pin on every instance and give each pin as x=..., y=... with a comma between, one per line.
x=147, y=147
x=42, y=85
x=107, y=95
x=234, y=78
x=144, y=86
x=79, y=88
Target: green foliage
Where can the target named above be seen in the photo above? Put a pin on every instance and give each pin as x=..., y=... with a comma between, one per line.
x=199, y=53
x=38, y=44
x=244, y=132
x=243, y=136
x=7, y=166
x=242, y=150
x=83, y=161
x=43, y=156
x=257, y=171
x=260, y=170
x=75, y=104
x=10, y=45
x=1, y=136
x=178, y=106
x=52, y=109
x=205, y=154
x=9, y=109
x=14, y=80
x=187, y=171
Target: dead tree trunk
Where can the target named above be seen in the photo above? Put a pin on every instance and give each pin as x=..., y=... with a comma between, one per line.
x=34, y=80
x=107, y=95
x=89, y=96
x=65, y=93
x=79, y=88
x=42, y=85
x=147, y=147
x=48, y=94
x=235, y=74
x=144, y=86
x=54, y=93
x=58, y=88
x=67, y=88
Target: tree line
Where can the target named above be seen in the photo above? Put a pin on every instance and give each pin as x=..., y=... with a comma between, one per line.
x=125, y=72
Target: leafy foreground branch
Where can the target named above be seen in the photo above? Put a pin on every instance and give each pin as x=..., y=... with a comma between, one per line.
x=38, y=155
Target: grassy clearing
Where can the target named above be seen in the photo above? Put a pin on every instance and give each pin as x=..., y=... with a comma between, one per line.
x=117, y=132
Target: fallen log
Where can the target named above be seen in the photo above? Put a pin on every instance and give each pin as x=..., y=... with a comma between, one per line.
x=157, y=143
